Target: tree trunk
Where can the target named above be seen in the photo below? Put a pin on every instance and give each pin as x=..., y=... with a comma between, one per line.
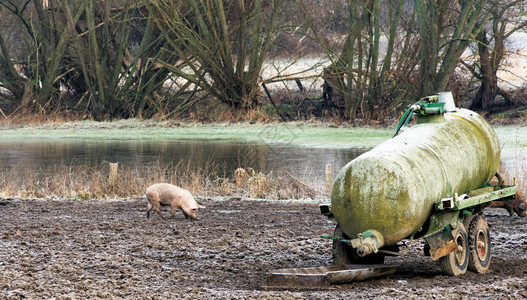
x=428, y=46
x=488, y=89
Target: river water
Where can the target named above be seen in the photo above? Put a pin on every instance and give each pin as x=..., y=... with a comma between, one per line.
x=309, y=163
x=44, y=154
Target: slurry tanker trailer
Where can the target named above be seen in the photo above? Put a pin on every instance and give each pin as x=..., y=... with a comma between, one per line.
x=430, y=181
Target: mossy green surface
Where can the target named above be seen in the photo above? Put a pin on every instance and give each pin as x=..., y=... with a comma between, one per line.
x=393, y=187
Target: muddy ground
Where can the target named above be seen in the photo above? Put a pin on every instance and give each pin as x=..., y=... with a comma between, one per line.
x=69, y=249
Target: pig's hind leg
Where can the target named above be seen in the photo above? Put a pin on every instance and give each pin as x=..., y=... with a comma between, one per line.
x=158, y=209
x=155, y=207
x=148, y=209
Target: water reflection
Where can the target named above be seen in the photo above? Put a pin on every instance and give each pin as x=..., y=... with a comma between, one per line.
x=44, y=154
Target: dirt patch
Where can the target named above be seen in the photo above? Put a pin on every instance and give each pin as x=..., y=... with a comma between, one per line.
x=108, y=249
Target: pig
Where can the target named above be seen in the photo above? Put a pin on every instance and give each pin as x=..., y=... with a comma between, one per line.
x=165, y=194
x=517, y=205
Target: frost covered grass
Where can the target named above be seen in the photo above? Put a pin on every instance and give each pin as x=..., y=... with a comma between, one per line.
x=512, y=136
x=516, y=169
x=313, y=134
x=297, y=133
x=513, y=140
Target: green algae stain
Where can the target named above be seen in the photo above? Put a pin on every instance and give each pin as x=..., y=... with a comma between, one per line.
x=375, y=191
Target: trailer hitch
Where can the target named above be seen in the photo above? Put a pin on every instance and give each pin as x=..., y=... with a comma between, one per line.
x=367, y=242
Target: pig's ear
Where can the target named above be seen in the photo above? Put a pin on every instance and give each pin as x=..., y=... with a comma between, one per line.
x=201, y=206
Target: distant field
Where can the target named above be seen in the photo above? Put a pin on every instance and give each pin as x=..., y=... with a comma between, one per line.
x=281, y=133
x=312, y=135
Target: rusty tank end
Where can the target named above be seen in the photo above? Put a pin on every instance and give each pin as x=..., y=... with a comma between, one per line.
x=391, y=189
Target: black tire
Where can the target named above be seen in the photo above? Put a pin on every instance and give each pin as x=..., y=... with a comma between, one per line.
x=456, y=262
x=467, y=220
x=344, y=254
x=479, y=245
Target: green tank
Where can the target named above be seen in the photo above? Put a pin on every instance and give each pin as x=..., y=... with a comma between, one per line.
x=391, y=189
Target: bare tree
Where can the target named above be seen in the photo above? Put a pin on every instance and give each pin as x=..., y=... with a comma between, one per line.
x=11, y=82
x=400, y=49
x=365, y=78
x=446, y=29
x=80, y=58
x=116, y=82
x=40, y=60
x=223, y=44
x=508, y=17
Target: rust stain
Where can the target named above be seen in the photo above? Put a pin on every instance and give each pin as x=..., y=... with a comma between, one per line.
x=443, y=250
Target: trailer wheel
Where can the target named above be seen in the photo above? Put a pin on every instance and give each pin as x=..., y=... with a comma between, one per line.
x=344, y=254
x=456, y=262
x=479, y=244
x=467, y=220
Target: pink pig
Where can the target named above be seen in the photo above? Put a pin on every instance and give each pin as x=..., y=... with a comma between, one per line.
x=165, y=194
